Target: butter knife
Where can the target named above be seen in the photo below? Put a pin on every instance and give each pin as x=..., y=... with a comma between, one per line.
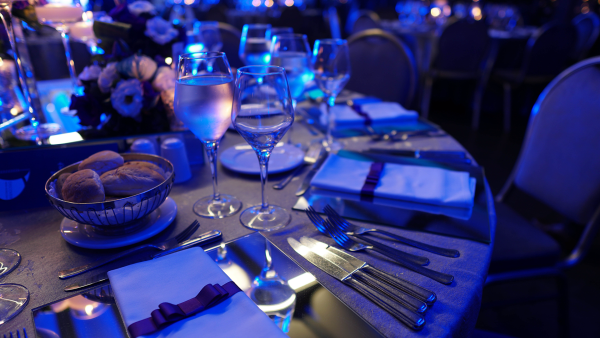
x=306, y=182
x=102, y=277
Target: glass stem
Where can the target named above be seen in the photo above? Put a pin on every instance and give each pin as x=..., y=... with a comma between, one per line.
x=211, y=152
x=263, y=160
x=64, y=34
x=290, y=130
x=330, y=120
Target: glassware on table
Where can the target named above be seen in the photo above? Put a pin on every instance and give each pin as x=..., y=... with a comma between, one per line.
x=60, y=14
x=262, y=113
x=205, y=38
x=331, y=65
x=255, y=44
x=203, y=97
x=13, y=297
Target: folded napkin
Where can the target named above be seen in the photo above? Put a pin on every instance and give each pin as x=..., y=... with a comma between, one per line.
x=378, y=112
x=398, y=182
x=141, y=287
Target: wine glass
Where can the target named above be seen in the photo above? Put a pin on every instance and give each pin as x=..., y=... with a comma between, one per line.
x=281, y=30
x=206, y=37
x=331, y=65
x=203, y=96
x=262, y=113
x=255, y=44
x=13, y=297
x=60, y=14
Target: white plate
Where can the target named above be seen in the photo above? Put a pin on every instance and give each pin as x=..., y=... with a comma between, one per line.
x=83, y=236
x=242, y=158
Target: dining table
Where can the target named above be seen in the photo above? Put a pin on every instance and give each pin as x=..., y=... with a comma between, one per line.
x=35, y=234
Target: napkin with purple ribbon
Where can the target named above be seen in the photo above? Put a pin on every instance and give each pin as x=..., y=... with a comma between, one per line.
x=189, y=282
x=409, y=183
x=375, y=113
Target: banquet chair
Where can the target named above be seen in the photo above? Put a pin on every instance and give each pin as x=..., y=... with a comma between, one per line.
x=230, y=36
x=361, y=20
x=547, y=54
x=382, y=66
x=588, y=28
x=462, y=53
x=558, y=168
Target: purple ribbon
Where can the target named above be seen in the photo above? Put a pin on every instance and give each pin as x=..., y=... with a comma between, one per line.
x=357, y=108
x=367, y=193
x=167, y=313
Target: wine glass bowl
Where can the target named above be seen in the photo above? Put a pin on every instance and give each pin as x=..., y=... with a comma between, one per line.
x=292, y=52
x=255, y=44
x=203, y=98
x=262, y=113
x=205, y=38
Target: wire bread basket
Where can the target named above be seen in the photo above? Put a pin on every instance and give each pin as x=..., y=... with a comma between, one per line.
x=115, y=216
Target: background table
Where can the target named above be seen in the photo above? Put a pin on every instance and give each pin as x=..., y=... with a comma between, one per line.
x=35, y=233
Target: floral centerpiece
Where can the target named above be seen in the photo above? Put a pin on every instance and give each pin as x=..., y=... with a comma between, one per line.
x=130, y=89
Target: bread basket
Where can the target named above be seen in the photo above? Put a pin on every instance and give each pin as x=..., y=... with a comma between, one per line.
x=119, y=216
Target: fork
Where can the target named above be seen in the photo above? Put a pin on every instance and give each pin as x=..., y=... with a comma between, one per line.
x=166, y=245
x=18, y=334
x=351, y=229
x=381, y=248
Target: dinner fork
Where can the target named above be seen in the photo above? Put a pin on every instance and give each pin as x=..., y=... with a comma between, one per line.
x=351, y=229
x=17, y=335
x=166, y=245
x=379, y=247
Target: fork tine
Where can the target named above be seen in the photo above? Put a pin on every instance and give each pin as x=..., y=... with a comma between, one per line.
x=337, y=235
x=316, y=219
x=332, y=214
x=25, y=333
x=185, y=234
x=18, y=334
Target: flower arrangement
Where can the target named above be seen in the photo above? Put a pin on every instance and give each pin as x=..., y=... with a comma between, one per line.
x=130, y=89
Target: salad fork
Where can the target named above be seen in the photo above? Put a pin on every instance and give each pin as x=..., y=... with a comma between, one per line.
x=379, y=247
x=166, y=245
x=351, y=229
x=343, y=240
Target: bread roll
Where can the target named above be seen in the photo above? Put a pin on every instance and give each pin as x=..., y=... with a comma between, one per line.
x=102, y=162
x=130, y=180
x=83, y=186
x=148, y=165
x=60, y=181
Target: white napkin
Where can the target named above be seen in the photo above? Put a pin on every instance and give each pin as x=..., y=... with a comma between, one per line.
x=379, y=112
x=399, y=182
x=141, y=287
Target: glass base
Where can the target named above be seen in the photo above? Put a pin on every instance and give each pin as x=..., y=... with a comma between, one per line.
x=208, y=207
x=9, y=260
x=334, y=147
x=13, y=298
x=274, y=218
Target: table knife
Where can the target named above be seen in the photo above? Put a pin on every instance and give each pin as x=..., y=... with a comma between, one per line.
x=354, y=264
x=306, y=182
x=102, y=277
x=410, y=318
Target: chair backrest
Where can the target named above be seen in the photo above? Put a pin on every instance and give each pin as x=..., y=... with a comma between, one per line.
x=463, y=46
x=361, y=20
x=558, y=163
x=382, y=66
x=588, y=28
x=230, y=36
x=549, y=50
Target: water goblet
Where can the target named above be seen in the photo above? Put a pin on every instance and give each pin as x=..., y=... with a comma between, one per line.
x=203, y=97
x=331, y=65
x=255, y=44
x=262, y=113
x=205, y=38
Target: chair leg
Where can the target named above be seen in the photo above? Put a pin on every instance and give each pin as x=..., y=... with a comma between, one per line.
x=507, y=90
x=477, y=105
x=426, y=97
x=563, y=306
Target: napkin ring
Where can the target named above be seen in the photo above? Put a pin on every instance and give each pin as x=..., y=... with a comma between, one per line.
x=367, y=193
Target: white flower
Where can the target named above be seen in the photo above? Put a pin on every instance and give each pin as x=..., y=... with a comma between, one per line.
x=140, y=67
x=139, y=7
x=107, y=77
x=127, y=98
x=165, y=79
x=89, y=73
x=160, y=30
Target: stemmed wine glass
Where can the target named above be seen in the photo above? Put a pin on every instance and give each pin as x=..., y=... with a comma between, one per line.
x=255, y=44
x=331, y=64
x=203, y=97
x=13, y=297
x=206, y=37
x=262, y=113
x=59, y=14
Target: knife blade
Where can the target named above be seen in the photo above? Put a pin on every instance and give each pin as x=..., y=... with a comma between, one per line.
x=306, y=182
x=102, y=277
x=420, y=293
x=412, y=319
